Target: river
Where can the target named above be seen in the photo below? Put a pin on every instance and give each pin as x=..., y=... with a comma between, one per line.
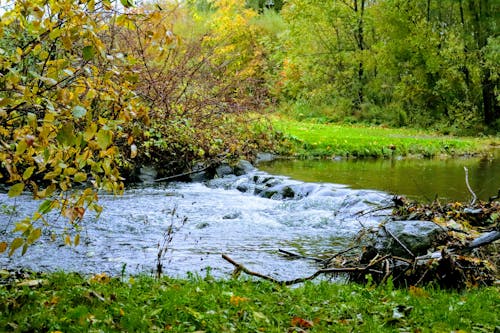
x=422, y=179
x=226, y=216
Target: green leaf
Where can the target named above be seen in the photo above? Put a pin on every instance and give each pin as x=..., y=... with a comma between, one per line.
x=54, y=34
x=45, y=207
x=34, y=235
x=21, y=147
x=66, y=134
x=127, y=3
x=80, y=177
x=15, y=190
x=79, y=112
x=28, y=172
x=104, y=138
x=16, y=243
x=88, y=53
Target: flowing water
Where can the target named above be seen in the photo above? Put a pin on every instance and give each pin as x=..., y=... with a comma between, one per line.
x=423, y=179
x=323, y=218
x=232, y=215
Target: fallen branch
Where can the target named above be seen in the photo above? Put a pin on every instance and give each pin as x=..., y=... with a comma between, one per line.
x=296, y=255
x=183, y=174
x=326, y=262
x=240, y=268
x=484, y=239
x=211, y=164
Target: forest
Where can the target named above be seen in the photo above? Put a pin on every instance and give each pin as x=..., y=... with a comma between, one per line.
x=90, y=90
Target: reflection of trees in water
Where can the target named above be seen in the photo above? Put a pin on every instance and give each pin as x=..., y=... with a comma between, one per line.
x=419, y=178
x=486, y=177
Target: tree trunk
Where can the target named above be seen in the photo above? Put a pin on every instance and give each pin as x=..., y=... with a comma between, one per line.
x=359, y=9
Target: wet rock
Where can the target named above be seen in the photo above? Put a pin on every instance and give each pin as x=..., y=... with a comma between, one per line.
x=243, y=168
x=148, y=174
x=417, y=236
x=202, y=225
x=264, y=157
x=243, y=188
x=201, y=176
x=231, y=216
x=223, y=170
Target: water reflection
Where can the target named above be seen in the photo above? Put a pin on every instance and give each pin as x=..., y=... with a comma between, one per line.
x=417, y=178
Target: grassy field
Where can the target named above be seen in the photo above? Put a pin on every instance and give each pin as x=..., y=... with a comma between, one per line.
x=309, y=139
x=63, y=302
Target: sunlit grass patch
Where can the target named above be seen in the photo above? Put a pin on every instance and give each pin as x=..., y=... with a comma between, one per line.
x=328, y=140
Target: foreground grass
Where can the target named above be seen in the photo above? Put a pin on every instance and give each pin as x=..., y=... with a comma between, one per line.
x=309, y=139
x=71, y=303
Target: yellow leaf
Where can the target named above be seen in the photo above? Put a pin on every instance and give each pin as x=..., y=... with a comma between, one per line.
x=104, y=138
x=3, y=247
x=16, y=243
x=16, y=190
x=67, y=240
x=34, y=235
x=77, y=239
x=21, y=147
x=28, y=172
x=80, y=177
x=69, y=171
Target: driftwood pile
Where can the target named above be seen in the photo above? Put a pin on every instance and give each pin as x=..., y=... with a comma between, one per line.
x=464, y=255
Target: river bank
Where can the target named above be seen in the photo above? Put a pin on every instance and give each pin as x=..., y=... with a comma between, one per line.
x=62, y=302
x=306, y=139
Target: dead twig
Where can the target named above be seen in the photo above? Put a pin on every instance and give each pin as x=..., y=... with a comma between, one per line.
x=296, y=255
x=329, y=260
x=474, y=197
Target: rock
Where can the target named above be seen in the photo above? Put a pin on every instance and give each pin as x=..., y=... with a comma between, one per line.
x=223, y=170
x=243, y=167
x=280, y=191
x=243, y=188
x=417, y=236
x=201, y=176
x=202, y=225
x=264, y=157
x=147, y=174
x=231, y=216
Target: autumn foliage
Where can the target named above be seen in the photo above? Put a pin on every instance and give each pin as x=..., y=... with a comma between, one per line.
x=91, y=90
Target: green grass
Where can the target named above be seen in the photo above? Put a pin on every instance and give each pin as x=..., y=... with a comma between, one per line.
x=71, y=303
x=309, y=139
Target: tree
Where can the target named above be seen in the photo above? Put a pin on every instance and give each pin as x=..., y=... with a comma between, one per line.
x=65, y=102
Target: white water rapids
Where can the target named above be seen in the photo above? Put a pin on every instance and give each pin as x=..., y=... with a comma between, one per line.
x=219, y=219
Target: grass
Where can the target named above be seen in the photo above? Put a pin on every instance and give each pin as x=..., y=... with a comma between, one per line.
x=71, y=303
x=309, y=139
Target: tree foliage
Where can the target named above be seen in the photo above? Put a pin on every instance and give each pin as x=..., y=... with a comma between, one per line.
x=90, y=90
x=402, y=62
